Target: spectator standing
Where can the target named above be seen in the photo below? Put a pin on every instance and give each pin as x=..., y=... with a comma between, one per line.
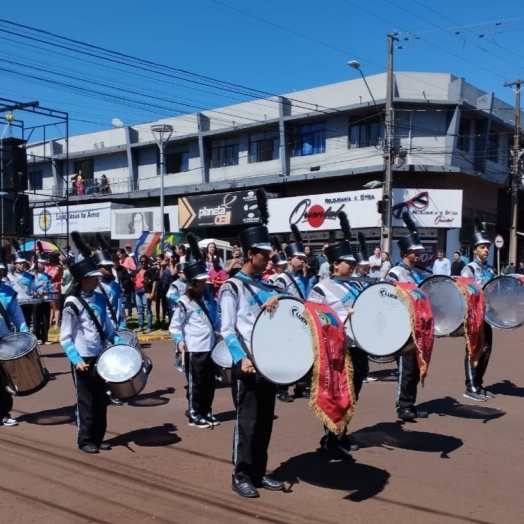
x=375, y=263
x=55, y=271
x=180, y=250
x=143, y=283
x=312, y=266
x=520, y=270
x=217, y=276
x=463, y=256
x=386, y=264
x=234, y=264
x=441, y=266
x=129, y=264
x=104, y=185
x=457, y=265
x=79, y=184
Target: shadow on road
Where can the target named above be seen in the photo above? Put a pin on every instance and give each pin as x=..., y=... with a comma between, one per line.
x=148, y=400
x=396, y=435
x=148, y=437
x=449, y=406
x=363, y=481
x=506, y=387
x=50, y=417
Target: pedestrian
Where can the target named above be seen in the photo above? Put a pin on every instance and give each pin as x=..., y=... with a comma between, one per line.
x=442, y=265
x=457, y=265
x=375, y=263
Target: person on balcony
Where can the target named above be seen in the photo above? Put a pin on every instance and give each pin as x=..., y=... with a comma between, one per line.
x=104, y=185
x=79, y=184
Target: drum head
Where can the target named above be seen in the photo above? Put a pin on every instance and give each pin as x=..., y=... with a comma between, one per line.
x=119, y=363
x=221, y=355
x=281, y=343
x=16, y=345
x=448, y=304
x=504, y=297
x=380, y=324
x=128, y=337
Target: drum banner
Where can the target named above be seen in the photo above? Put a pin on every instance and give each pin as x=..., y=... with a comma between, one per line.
x=473, y=319
x=421, y=318
x=332, y=393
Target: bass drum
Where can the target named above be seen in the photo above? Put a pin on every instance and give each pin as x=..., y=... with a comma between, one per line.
x=281, y=344
x=21, y=366
x=448, y=304
x=131, y=339
x=504, y=298
x=381, y=321
x=122, y=368
x=223, y=362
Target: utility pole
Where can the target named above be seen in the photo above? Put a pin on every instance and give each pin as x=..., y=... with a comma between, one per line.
x=387, y=231
x=515, y=175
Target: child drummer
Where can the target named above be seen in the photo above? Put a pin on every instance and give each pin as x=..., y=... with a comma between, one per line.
x=83, y=340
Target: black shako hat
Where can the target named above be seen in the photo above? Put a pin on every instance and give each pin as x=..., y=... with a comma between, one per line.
x=87, y=266
x=296, y=249
x=257, y=237
x=361, y=257
x=341, y=250
x=197, y=270
x=278, y=259
x=479, y=236
x=410, y=242
x=102, y=257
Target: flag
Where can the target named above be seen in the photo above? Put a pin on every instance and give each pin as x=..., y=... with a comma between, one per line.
x=146, y=244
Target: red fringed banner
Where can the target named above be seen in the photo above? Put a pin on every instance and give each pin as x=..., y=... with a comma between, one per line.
x=421, y=318
x=473, y=319
x=332, y=394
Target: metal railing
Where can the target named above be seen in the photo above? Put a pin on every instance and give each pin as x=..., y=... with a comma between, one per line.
x=92, y=188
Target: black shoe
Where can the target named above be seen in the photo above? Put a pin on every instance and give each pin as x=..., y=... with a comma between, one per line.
x=345, y=443
x=284, y=396
x=90, y=448
x=407, y=414
x=115, y=401
x=244, y=488
x=334, y=452
x=267, y=482
x=105, y=446
x=421, y=414
x=302, y=393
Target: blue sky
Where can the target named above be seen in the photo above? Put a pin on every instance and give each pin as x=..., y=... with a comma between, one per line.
x=276, y=47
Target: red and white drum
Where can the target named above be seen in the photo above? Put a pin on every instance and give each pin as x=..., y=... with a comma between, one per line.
x=504, y=297
x=281, y=343
x=381, y=322
x=448, y=304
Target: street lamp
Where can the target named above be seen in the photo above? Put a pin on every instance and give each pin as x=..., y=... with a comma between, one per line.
x=162, y=134
x=386, y=233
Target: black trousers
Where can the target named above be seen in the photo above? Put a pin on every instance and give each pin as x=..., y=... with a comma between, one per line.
x=360, y=362
x=6, y=401
x=475, y=376
x=200, y=374
x=27, y=310
x=408, y=379
x=91, y=405
x=255, y=411
x=41, y=319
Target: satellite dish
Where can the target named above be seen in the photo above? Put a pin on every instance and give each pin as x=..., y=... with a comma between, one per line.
x=117, y=122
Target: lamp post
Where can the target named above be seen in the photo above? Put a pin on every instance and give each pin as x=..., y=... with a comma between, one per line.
x=386, y=230
x=162, y=134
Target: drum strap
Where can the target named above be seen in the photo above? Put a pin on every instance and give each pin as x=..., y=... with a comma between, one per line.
x=95, y=320
x=248, y=285
x=7, y=319
x=294, y=282
x=111, y=309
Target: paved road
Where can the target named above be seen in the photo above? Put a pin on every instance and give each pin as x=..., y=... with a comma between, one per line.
x=461, y=465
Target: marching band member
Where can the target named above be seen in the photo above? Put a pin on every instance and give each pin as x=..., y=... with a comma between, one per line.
x=175, y=291
x=23, y=282
x=42, y=310
x=363, y=266
x=409, y=372
x=339, y=292
x=193, y=327
x=278, y=260
x=242, y=298
x=292, y=282
x=480, y=271
x=83, y=334
x=11, y=318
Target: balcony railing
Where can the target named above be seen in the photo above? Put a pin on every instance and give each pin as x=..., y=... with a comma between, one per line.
x=92, y=188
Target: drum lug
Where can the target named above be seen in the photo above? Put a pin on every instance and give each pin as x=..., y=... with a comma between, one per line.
x=11, y=391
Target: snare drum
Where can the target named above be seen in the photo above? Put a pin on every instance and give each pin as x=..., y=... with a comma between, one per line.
x=49, y=297
x=21, y=366
x=381, y=321
x=448, y=304
x=130, y=338
x=281, y=344
x=123, y=369
x=504, y=297
x=223, y=361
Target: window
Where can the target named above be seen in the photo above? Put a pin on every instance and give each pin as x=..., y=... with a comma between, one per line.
x=310, y=139
x=264, y=147
x=177, y=161
x=366, y=134
x=84, y=167
x=464, y=135
x=492, y=151
x=36, y=181
x=224, y=152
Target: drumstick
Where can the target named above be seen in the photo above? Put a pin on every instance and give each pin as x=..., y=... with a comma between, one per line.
x=350, y=312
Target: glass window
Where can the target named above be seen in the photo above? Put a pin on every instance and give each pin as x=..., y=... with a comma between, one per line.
x=36, y=180
x=224, y=152
x=366, y=134
x=177, y=161
x=264, y=147
x=464, y=135
x=310, y=139
x=492, y=152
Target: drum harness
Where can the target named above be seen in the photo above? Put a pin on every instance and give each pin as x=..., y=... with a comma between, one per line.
x=95, y=320
x=109, y=305
x=201, y=303
x=294, y=282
